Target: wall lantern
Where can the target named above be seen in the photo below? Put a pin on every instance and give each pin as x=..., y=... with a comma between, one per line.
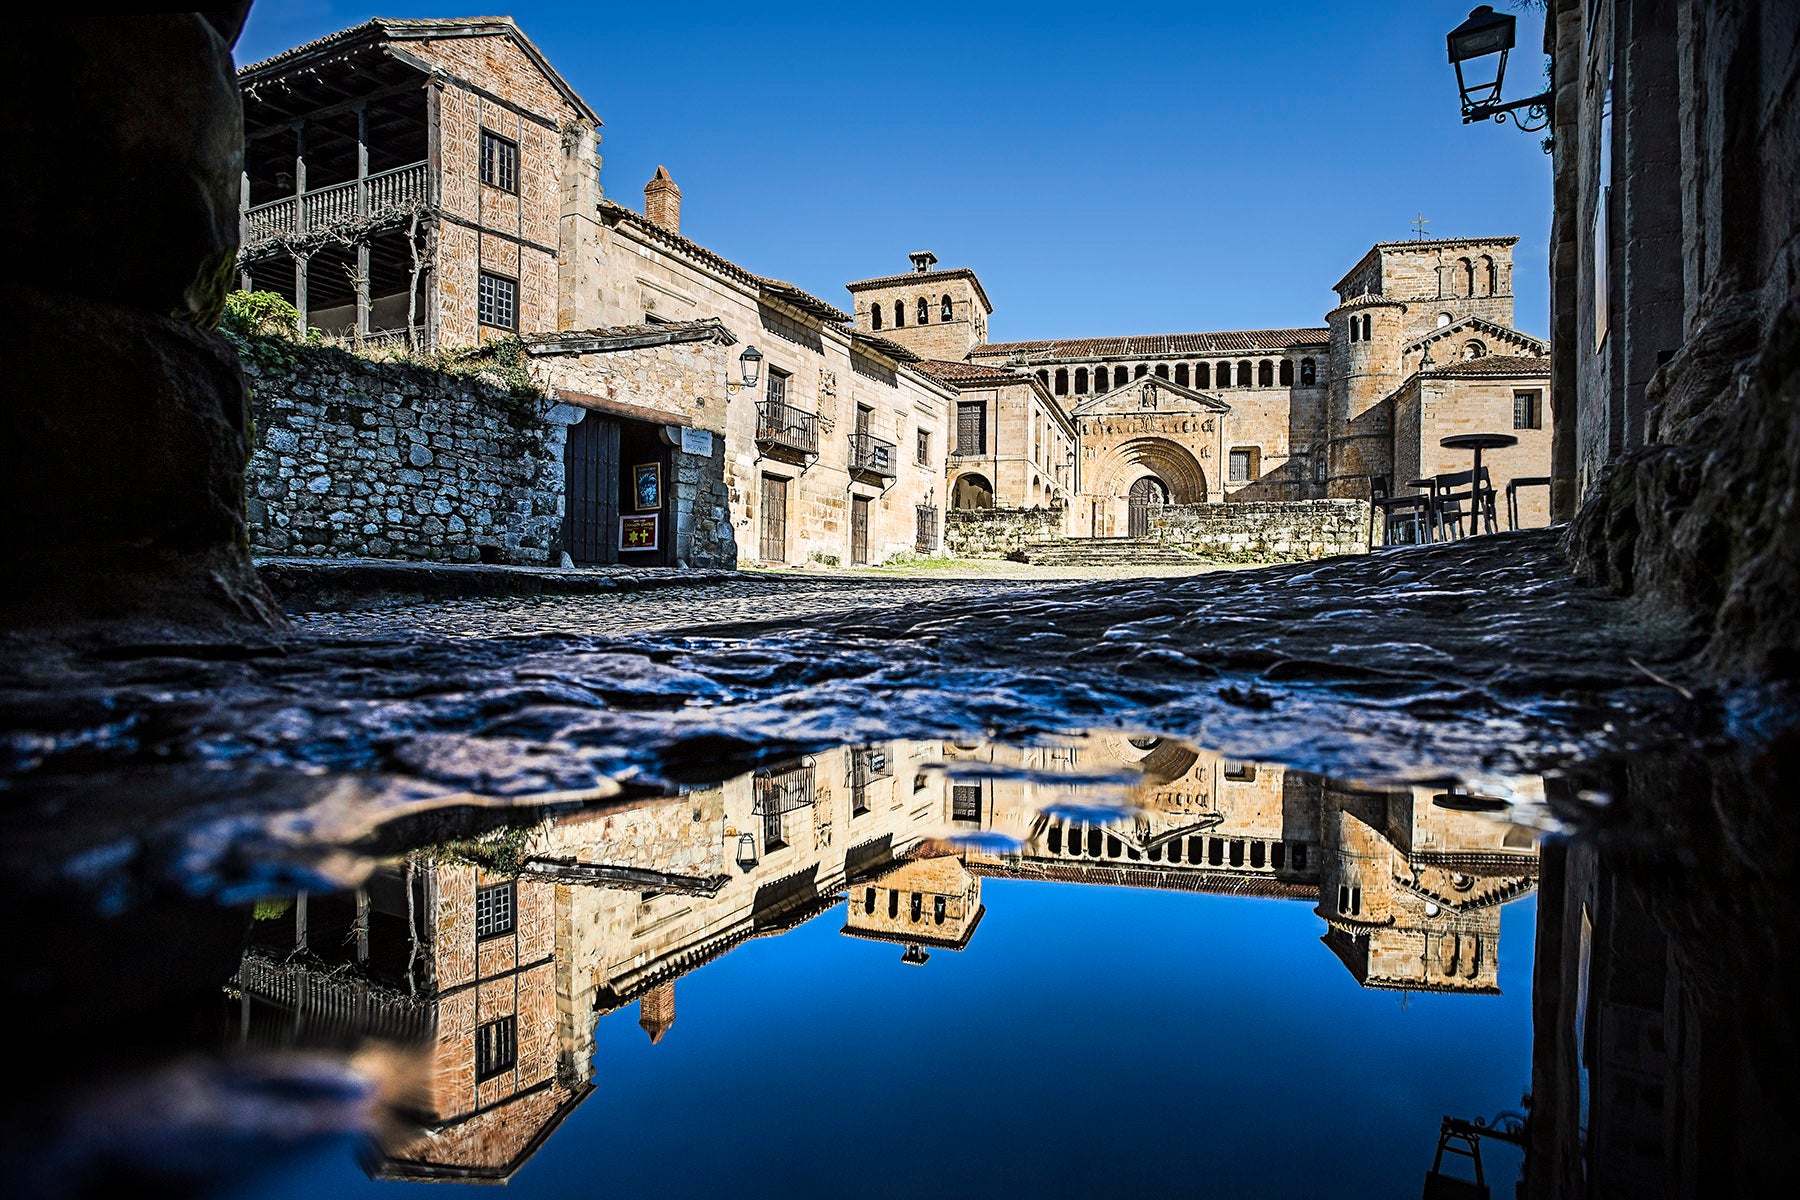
x=1486, y=33
x=751, y=362
x=746, y=851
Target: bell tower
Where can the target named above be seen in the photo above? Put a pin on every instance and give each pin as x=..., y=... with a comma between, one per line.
x=937, y=314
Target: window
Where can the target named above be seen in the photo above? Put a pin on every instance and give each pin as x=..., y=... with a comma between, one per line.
x=924, y=448
x=1286, y=376
x=899, y=314
x=924, y=311
x=1243, y=373
x=494, y=909
x=1309, y=372
x=946, y=310
x=1240, y=466
x=1527, y=410
x=1121, y=377
x=1081, y=381
x=778, y=385
x=868, y=900
x=1203, y=375
x=965, y=802
x=1355, y=328
x=1162, y=370
x=497, y=301
x=496, y=1048
x=971, y=427
x=499, y=162
x=1062, y=381
x=1468, y=276
x=774, y=829
x=1473, y=350
x=1265, y=374
x=1141, y=371
x=1368, y=327
x=875, y=316
x=1240, y=772
x=1181, y=374
x=1319, y=466
x=1224, y=376
x=919, y=781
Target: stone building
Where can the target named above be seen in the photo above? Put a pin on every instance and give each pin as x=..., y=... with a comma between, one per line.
x=1239, y=416
x=1011, y=445
x=837, y=453
x=416, y=182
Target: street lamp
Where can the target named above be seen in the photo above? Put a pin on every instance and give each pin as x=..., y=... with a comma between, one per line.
x=1488, y=32
x=751, y=363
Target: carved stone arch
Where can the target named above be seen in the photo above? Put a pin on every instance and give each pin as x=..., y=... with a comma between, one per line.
x=1118, y=467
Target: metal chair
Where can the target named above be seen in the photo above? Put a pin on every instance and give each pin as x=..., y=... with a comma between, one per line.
x=1512, y=495
x=1399, y=514
x=1446, y=503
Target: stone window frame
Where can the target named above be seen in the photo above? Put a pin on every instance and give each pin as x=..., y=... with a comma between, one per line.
x=947, y=310
x=875, y=316
x=496, y=910
x=499, y=162
x=493, y=301
x=924, y=311
x=1249, y=456
x=923, y=448
x=496, y=1048
x=1528, y=408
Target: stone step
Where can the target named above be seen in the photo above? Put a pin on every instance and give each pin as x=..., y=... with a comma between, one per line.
x=1101, y=552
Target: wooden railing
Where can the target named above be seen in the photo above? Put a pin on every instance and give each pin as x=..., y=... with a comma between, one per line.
x=325, y=206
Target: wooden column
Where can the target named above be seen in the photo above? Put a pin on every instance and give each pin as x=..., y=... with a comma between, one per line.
x=434, y=153
x=300, y=222
x=363, y=286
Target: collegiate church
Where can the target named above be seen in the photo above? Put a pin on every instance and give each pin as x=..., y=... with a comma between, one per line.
x=1420, y=346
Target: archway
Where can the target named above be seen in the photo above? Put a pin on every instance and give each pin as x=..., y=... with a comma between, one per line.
x=1173, y=464
x=972, y=491
x=1147, y=496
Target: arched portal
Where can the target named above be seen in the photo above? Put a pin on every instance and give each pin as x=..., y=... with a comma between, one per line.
x=972, y=491
x=1144, y=469
x=1146, y=498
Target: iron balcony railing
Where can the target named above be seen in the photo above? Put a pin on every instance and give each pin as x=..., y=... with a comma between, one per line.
x=872, y=455
x=325, y=206
x=783, y=789
x=781, y=426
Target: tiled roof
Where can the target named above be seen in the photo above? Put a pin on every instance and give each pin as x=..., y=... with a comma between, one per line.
x=780, y=289
x=1495, y=364
x=1490, y=328
x=863, y=285
x=893, y=350
x=418, y=28
x=966, y=374
x=628, y=337
x=1158, y=345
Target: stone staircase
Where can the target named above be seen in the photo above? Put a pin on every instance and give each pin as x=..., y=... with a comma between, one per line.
x=1101, y=552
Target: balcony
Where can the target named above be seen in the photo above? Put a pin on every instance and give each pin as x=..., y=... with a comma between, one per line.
x=870, y=455
x=359, y=199
x=783, y=431
x=783, y=789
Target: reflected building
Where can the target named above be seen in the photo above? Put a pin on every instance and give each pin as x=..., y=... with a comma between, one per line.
x=501, y=972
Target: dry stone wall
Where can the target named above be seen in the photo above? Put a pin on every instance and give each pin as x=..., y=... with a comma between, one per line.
x=352, y=458
x=997, y=532
x=1275, y=531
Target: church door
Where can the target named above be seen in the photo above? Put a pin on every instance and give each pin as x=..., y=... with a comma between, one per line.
x=1147, y=496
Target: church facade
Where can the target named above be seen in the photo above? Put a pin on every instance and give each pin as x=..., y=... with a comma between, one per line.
x=1421, y=346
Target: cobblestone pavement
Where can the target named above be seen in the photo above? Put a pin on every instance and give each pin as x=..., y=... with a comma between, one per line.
x=710, y=607
x=1422, y=662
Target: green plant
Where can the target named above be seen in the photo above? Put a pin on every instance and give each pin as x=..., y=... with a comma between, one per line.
x=259, y=314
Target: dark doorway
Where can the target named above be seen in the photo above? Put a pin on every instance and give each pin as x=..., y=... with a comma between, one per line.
x=642, y=449
x=591, y=490
x=774, y=518
x=859, y=530
x=1147, y=496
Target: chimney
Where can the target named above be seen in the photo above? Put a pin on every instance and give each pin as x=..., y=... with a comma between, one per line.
x=662, y=201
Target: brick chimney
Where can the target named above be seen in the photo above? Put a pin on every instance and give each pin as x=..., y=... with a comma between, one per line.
x=662, y=201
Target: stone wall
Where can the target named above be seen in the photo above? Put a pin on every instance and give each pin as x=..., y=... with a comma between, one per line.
x=1265, y=531
x=354, y=458
x=997, y=532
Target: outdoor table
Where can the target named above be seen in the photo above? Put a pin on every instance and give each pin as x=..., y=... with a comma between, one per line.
x=1477, y=442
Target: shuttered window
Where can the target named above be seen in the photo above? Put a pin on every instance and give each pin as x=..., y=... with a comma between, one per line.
x=971, y=428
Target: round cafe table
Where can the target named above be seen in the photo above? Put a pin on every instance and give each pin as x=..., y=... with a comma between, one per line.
x=1478, y=442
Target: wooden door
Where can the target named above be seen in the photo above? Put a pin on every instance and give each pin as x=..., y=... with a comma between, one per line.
x=774, y=518
x=859, y=529
x=1147, y=496
x=591, y=490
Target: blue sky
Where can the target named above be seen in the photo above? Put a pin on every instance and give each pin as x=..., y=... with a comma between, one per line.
x=1108, y=169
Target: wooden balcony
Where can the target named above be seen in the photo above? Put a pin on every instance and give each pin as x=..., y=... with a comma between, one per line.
x=872, y=456
x=320, y=208
x=783, y=431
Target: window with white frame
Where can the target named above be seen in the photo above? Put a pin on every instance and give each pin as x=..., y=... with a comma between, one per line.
x=497, y=301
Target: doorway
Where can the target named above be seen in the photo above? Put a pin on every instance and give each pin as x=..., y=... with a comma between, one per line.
x=774, y=518
x=591, y=490
x=1147, y=497
x=859, y=530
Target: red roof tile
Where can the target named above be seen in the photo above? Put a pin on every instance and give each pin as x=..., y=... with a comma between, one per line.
x=1157, y=345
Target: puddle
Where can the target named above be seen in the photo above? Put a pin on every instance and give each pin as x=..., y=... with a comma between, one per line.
x=967, y=967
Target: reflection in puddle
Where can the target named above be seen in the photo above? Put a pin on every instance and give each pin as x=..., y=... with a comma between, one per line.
x=504, y=955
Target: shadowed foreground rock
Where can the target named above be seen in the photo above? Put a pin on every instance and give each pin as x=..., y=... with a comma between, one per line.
x=123, y=440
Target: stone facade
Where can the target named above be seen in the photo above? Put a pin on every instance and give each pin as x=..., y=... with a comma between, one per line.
x=1264, y=531
x=1010, y=444
x=432, y=212
x=997, y=532
x=354, y=458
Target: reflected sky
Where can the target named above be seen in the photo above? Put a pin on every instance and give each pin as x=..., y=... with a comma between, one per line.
x=1065, y=1036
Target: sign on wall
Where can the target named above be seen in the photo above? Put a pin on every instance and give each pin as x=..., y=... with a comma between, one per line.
x=697, y=441
x=639, y=532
